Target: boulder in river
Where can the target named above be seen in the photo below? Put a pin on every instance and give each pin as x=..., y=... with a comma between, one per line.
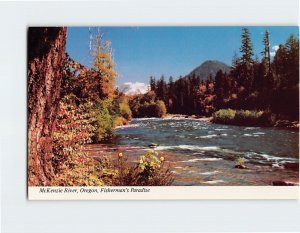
x=153, y=145
x=282, y=183
x=240, y=166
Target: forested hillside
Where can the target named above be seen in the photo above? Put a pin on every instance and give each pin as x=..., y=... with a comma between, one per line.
x=268, y=86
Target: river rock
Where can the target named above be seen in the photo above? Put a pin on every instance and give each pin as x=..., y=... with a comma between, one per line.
x=239, y=166
x=287, y=124
x=153, y=145
x=282, y=183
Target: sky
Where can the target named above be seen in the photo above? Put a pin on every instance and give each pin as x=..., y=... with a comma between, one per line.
x=141, y=52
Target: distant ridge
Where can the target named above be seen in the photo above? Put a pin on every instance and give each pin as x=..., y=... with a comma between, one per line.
x=209, y=67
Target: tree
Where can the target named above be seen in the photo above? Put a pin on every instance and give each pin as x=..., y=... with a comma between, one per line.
x=286, y=67
x=219, y=88
x=246, y=61
x=104, y=64
x=243, y=70
x=46, y=58
x=105, y=120
x=160, y=109
x=246, y=48
x=161, y=89
x=292, y=50
x=286, y=63
x=266, y=52
x=171, y=94
x=235, y=60
x=152, y=84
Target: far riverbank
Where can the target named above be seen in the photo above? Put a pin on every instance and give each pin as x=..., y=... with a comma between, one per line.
x=280, y=123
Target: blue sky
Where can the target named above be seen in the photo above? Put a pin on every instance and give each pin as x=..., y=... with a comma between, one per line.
x=140, y=52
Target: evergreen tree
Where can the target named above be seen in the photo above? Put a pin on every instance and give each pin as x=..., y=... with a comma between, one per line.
x=161, y=89
x=286, y=62
x=219, y=88
x=286, y=65
x=246, y=48
x=152, y=83
x=246, y=61
x=170, y=90
x=292, y=50
x=170, y=87
x=266, y=52
x=235, y=60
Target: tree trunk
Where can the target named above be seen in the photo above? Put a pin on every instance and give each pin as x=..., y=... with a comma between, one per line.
x=46, y=57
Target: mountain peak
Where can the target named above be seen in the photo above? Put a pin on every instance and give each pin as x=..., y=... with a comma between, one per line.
x=209, y=67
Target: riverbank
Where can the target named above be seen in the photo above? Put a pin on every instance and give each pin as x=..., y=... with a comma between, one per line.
x=242, y=121
x=190, y=117
x=252, y=118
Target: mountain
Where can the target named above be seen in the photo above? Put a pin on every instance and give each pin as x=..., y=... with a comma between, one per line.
x=210, y=68
x=130, y=88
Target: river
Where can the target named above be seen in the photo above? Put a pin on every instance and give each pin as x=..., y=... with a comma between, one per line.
x=204, y=153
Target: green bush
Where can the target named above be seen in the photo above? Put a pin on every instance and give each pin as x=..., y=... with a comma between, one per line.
x=224, y=116
x=160, y=108
x=243, y=117
x=119, y=121
x=146, y=106
x=254, y=118
x=153, y=109
x=248, y=117
x=151, y=170
x=125, y=111
x=105, y=121
x=75, y=126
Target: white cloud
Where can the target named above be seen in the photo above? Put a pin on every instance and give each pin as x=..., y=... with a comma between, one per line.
x=275, y=47
x=130, y=88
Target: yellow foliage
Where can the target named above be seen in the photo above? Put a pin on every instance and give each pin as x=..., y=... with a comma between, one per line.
x=103, y=63
x=149, y=161
x=119, y=121
x=150, y=170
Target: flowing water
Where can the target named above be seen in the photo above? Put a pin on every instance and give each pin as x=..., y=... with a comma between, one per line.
x=205, y=153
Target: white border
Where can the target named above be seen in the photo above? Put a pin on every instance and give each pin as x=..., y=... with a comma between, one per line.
x=164, y=193
x=21, y=215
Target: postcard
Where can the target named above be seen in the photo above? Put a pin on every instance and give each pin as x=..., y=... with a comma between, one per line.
x=163, y=113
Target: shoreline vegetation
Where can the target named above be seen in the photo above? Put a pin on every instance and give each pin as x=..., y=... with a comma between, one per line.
x=252, y=118
x=240, y=118
x=71, y=106
x=220, y=117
